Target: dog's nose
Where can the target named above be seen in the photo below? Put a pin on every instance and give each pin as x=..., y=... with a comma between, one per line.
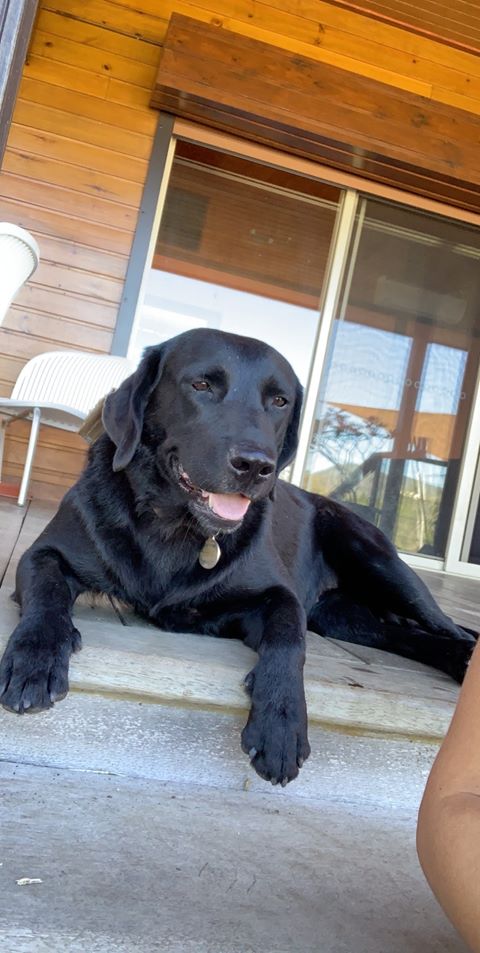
x=252, y=465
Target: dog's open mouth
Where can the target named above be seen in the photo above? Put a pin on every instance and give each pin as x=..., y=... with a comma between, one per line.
x=227, y=506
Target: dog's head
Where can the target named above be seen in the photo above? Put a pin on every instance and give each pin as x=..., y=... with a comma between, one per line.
x=220, y=415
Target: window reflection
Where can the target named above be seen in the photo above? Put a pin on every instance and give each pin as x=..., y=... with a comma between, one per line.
x=241, y=247
x=399, y=377
x=175, y=303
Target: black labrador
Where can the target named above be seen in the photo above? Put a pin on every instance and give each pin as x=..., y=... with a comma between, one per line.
x=180, y=513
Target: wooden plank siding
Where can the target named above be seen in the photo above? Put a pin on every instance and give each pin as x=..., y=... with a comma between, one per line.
x=457, y=25
x=79, y=145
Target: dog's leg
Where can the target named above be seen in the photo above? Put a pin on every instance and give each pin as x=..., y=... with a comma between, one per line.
x=372, y=575
x=275, y=736
x=335, y=615
x=34, y=667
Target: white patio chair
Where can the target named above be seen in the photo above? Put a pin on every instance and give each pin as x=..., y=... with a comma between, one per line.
x=59, y=388
x=19, y=256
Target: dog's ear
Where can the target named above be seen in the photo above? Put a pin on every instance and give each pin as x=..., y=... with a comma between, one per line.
x=124, y=408
x=290, y=442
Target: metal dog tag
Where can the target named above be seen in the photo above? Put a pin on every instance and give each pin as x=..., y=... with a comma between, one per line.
x=209, y=554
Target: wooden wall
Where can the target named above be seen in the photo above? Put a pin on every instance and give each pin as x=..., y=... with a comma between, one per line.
x=457, y=24
x=80, y=141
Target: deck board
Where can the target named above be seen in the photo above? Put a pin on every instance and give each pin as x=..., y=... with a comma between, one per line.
x=458, y=597
x=347, y=686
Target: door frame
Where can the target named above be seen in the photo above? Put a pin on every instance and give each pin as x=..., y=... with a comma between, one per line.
x=467, y=499
x=17, y=18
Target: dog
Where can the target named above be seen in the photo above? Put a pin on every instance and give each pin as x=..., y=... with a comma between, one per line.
x=180, y=513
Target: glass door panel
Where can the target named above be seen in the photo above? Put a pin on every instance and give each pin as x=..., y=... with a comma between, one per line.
x=400, y=375
x=242, y=247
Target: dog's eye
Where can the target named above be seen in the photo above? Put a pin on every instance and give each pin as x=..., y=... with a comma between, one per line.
x=201, y=385
x=279, y=401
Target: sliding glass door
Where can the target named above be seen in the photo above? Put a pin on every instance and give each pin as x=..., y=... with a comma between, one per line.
x=398, y=382
x=375, y=302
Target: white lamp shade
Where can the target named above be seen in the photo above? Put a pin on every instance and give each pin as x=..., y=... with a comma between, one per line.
x=19, y=256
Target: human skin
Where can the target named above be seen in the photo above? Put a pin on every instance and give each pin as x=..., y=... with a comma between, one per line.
x=448, y=834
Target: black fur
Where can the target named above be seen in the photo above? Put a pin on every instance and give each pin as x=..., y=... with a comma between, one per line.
x=225, y=411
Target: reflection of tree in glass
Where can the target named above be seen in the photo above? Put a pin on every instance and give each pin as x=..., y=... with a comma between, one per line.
x=348, y=441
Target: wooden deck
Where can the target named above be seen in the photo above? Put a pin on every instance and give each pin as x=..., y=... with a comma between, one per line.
x=347, y=686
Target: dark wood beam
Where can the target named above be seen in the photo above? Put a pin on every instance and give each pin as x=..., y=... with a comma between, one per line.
x=16, y=21
x=312, y=109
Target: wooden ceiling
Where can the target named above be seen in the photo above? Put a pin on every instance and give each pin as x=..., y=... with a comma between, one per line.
x=456, y=23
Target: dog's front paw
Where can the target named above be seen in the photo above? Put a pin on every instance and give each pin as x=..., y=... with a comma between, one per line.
x=34, y=667
x=275, y=736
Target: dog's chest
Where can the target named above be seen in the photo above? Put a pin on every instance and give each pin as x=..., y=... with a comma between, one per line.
x=163, y=573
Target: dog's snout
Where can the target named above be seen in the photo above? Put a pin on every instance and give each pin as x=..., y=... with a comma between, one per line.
x=252, y=465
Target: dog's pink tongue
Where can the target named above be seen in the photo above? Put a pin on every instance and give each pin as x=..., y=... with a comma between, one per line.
x=230, y=506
